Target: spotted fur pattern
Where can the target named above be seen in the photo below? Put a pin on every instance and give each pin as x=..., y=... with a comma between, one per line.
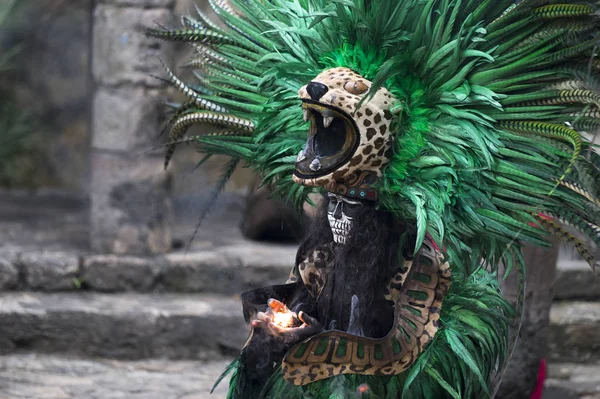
x=313, y=270
x=372, y=118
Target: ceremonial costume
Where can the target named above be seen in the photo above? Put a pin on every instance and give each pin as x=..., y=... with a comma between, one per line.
x=442, y=135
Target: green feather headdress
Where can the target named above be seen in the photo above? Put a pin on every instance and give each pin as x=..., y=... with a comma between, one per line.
x=494, y=100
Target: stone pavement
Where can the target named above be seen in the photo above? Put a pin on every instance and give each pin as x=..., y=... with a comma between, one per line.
x=573, y=381
x=48, y=377
x=28, y=376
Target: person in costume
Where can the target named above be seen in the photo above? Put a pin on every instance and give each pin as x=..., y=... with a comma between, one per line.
x=442, y=136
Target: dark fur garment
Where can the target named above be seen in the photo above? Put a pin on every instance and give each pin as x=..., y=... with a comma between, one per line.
x=362, y=267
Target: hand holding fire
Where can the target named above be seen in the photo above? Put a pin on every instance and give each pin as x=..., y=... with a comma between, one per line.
x=282, y=323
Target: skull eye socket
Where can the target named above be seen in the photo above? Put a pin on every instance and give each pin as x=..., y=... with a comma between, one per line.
x=358, y=87
x=333, y=203
x=353, y=206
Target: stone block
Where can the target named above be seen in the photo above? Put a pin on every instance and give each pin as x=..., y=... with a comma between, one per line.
x=122, y=53
x=119, y=273
x=127, y=119
x=576, y=281
x=131, y=211
x=50, y=271
x=230, y=270
x=572, y=381
x=199, y=272
x=573, y=333
x=140, y=3
x=9, y=275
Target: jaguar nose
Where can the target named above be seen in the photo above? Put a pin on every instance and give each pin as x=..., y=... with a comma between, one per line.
x=316, y=90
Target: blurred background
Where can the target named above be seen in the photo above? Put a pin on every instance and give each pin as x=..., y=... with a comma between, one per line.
x=102, y=295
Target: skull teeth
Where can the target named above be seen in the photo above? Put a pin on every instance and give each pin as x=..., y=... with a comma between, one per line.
x=327, y=120
x=339, y=239
x=341, y=226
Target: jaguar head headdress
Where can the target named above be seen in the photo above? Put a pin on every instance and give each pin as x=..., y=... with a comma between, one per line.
x=349, y=139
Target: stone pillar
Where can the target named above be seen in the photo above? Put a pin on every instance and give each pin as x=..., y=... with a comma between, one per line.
x=130, y=206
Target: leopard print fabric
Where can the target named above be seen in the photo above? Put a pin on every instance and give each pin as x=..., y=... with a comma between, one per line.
x=313, y=270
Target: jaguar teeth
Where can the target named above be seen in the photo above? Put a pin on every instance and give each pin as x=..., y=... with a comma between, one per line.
x=327, y=120
x=306, y=115
x=315, y=165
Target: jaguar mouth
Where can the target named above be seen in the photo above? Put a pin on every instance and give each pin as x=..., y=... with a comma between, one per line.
x=333, y=137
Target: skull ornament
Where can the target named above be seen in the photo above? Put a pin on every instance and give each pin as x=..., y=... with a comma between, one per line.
x=341, y=212
x=348, y=145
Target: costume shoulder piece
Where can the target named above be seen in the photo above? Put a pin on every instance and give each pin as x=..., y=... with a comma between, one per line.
x=468, y=120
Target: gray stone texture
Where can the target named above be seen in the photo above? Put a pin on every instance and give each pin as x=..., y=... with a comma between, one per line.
x=140, y=3
x=45, y=220
x=574, y=333
x=122, y=53
x=9, y=275
x=572, y=381
x=110, y=273
x=130, y=207
x=49, y=377
x=229, y=270
x=131, y=211
x=29, y=376
x=50, y=271
x=198, y=272
x=53, y=78
x=220, y=259
x=125, y=326
x=128, y=120
x=576, y=281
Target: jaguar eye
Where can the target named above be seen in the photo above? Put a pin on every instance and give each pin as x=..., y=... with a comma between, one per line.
x=358, y=87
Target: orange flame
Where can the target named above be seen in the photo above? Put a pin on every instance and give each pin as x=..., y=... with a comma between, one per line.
x=284, y=319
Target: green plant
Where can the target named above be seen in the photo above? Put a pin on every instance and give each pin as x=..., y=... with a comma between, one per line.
x=16, y=126
x=6, y=56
